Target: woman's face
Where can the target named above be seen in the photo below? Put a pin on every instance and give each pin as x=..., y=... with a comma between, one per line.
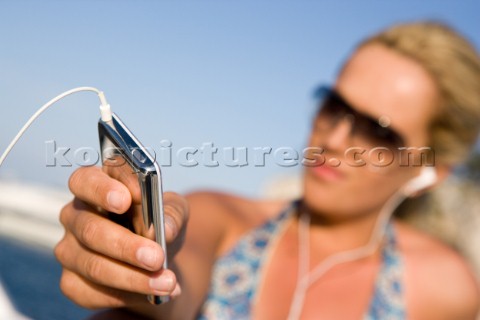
x=383, y=85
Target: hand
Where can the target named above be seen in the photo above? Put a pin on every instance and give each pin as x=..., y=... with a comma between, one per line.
x=105, y=264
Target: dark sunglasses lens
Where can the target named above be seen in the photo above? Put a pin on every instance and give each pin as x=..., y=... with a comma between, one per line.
x=377, y=135
x=333, y=107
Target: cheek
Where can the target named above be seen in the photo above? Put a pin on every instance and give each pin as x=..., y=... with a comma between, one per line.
x=374, y=189
x=317, y=137
x=363, y=192
x=312, y=141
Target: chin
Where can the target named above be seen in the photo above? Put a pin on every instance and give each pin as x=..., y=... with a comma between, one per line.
x=331, y=200
x=319, y=195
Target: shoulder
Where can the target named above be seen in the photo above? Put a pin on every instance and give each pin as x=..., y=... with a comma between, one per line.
x=222, y=218
x=439, y=282
x=227, y=206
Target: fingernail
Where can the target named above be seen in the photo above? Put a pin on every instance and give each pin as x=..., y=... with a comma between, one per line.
x=162, y=283
x=176, y=292
x=147, y=256
x=115, y=200
x=171, y=224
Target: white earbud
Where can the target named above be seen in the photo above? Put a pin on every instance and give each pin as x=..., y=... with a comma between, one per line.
x=425, y=179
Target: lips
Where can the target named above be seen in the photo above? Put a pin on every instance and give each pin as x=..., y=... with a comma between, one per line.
x=327, y=173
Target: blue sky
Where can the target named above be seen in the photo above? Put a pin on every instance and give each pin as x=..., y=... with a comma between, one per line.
x=235, y=73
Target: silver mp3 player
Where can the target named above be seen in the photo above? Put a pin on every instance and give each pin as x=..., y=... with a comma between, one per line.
x=124, y=156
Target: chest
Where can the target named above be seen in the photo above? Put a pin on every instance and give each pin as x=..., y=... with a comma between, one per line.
x=257, y=278
x=344, y=292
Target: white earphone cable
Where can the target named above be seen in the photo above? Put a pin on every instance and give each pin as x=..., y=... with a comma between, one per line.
x=306, y=278
x=104, y=109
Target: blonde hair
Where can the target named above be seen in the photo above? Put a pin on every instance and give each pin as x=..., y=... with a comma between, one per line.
x=454, y=65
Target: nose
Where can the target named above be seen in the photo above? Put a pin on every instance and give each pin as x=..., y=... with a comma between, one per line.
x=339, y=137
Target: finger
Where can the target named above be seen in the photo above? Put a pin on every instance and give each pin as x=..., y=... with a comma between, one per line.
x=93, y=296
x=99, y=234
x=124, y=173
x=176, y=216
x=117, y=314
x=93, y=186
x=108, y=272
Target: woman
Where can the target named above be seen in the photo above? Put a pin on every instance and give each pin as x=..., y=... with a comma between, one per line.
x=415, y=85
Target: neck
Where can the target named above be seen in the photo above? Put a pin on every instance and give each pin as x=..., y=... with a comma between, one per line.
x=329, y=236
x=335, y=243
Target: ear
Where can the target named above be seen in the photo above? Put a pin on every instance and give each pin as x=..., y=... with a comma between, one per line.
x=443, y=171
x=428, y=178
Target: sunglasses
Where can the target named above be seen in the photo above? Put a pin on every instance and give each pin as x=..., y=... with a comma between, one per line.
x=333, y=109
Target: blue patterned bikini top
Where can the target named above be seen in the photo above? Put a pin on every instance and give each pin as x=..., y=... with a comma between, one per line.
x=235, y=277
